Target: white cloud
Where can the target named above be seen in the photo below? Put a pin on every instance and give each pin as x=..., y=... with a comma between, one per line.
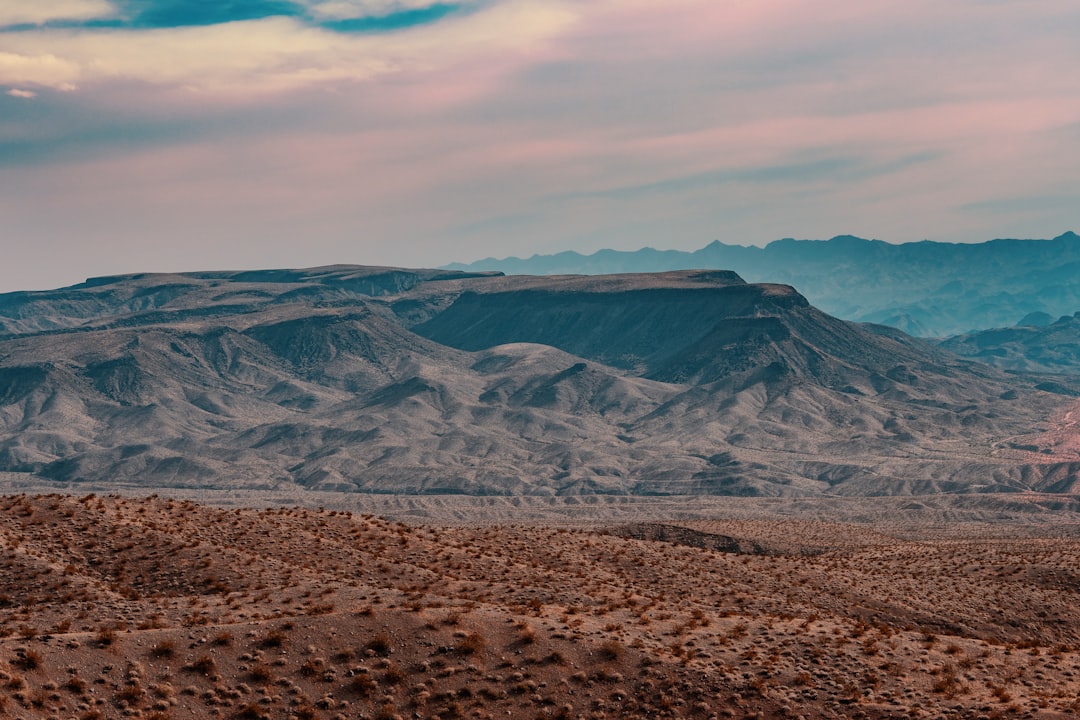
x=47, y=70
x=16, y=92
x=35, y=12
x=271, y=54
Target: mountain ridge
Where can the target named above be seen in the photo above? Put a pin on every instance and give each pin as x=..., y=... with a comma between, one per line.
x=1050, y=347
x=429, y=382
x=927, y=288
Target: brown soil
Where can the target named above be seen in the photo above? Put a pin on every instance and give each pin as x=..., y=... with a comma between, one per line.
x=161, y=608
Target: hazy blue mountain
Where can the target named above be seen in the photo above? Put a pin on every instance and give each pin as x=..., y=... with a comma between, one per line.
x=929, y=289
x=1033, y=345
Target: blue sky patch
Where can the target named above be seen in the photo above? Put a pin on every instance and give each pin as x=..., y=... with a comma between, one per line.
x=157, y=14
x=400, y=20
x=184, y=13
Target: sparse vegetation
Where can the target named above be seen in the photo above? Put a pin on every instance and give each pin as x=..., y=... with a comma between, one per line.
x=165, y=648
x=457, y=634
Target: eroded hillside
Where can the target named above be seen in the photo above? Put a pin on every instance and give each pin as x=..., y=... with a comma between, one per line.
x=379, y=380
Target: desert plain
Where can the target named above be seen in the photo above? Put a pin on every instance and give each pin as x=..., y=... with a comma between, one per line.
x=157, y=607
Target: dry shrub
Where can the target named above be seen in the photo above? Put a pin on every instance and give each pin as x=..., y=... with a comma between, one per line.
x=249, y=711
x=163, y=649
x=343, y=656
x=380, y=645
x=28, y=659
x=261, y=674
x=387, y=712
x=130, y=695
x=273, y=639
x=362, y=685
x=611, y=650
x=947, y=684
x=527, y=635
x=472, y=644
x=105, y=637
x=204, y=665
x=554, y=658
x=394, y=675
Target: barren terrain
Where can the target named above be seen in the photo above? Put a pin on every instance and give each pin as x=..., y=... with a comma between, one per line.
x=415, y=382
x=165, y=608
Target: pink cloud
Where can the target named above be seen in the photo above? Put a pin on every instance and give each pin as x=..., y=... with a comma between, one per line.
x=513, y=131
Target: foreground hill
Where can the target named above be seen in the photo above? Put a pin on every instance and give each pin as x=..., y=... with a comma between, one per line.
x=165, y=609
x=430, y=382
x=928, y=288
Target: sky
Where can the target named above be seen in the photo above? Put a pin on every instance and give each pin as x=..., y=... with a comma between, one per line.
x=171, y=135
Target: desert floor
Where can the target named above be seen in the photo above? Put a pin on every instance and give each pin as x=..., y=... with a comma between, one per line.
x=162, y=607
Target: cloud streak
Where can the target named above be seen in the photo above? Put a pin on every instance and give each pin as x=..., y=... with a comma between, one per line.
x=252, y=48
x=296, y=132
x=41, y=12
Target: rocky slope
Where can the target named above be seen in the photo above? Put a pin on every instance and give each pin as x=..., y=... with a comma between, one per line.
x=429, y=382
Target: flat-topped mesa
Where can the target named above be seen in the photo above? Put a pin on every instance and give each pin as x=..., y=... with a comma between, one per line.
x=136, y=298
x=930, y=289
x=642, y=323
x=613, y=283
x=384, y=277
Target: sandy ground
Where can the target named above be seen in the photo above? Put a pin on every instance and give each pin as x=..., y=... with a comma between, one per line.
x=166, y=608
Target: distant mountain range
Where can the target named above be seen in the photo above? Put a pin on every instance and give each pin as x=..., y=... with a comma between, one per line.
x=385, y=380
x=927, y=289
x=1036, y=345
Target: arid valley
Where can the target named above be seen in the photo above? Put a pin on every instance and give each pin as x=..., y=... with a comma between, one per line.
x=539, y=360
x=355, y=492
